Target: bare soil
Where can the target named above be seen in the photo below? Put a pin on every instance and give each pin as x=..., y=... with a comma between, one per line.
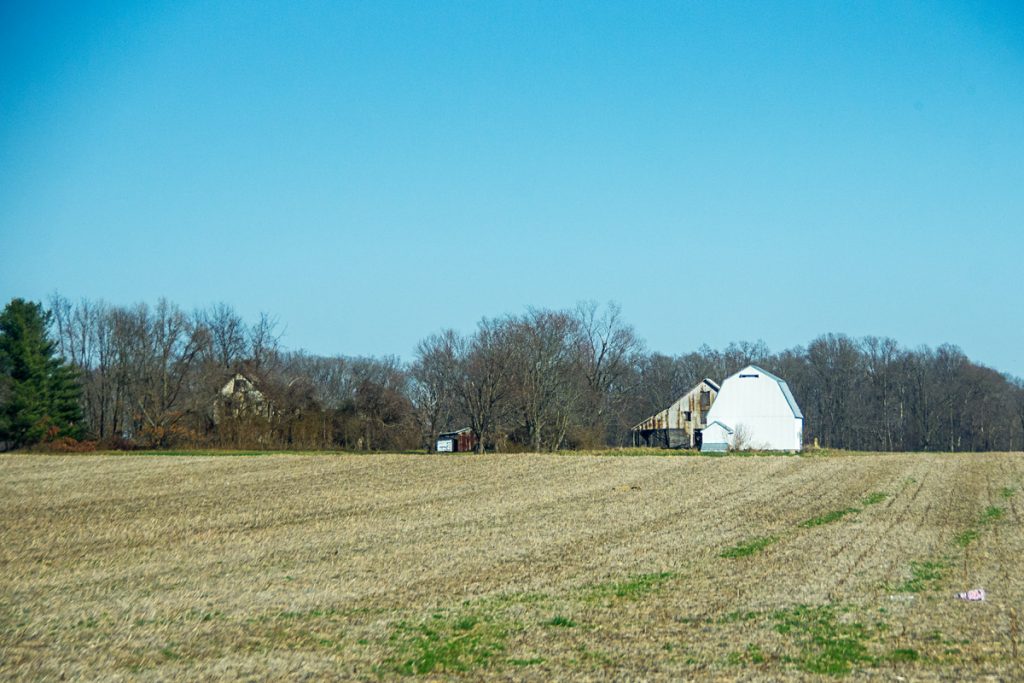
x=526, y=567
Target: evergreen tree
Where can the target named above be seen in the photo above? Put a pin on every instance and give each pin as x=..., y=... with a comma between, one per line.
x=38, y=392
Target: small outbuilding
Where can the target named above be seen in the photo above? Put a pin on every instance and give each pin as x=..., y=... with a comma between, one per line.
x=460, y=441
x=679, y=425
x=759, y=412
x=715, y=438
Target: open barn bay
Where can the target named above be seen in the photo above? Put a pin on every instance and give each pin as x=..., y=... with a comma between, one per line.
x=510, y=566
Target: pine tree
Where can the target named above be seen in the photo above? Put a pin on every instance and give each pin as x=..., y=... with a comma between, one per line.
x=39, y=392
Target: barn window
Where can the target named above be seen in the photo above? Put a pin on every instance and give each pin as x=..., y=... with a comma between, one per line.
x=746, y=376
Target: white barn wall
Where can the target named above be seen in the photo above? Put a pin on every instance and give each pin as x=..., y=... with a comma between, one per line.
x=759, y=406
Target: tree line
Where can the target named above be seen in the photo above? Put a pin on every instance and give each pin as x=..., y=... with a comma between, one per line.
x=160, y=377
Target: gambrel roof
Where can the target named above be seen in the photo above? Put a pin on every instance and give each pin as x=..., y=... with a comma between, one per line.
x=782, y=385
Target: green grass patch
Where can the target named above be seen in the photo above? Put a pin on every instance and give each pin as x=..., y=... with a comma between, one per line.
x=88, y=622
x=1007, y=492
x=964, y=539
x=751, y=454
x=827, y=645
x=560, y=621
x=828, y=518
x=466, y=623
x=624, y=452
x=820, y=640
x=686, y=452
x=992, y=514
x=752, y=654
x=748, y=548
x=526, y=662
x=903, y=654
x=199, y=453
x=632, y=588
x=457, y=643
x=168, y=653
x=215, y=452
x=924, y=576
x=875, y=498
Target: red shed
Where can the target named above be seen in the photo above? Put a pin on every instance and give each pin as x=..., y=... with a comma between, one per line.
x=460, y=441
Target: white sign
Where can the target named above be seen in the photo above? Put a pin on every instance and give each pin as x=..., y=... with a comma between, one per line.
x=445, y=445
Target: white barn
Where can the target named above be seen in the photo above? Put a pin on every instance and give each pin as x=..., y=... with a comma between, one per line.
x=755, y=409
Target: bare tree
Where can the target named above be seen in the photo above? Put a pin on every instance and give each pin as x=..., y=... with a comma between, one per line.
x=1017, y=405
x=227, y=335
x=544, y=379
x=264, y=337
x=740, y=440
x=84, y=332
x=881, y=356
x=173, y=344
x=837, y=363
x=608, y=350
x=384, y=410
x=485, y=379
x=434, y=374
x=548, y=389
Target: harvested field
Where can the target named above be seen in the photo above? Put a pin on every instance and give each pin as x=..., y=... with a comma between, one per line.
x=510, y=566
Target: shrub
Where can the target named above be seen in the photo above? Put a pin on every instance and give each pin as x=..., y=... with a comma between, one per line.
x=66, y=444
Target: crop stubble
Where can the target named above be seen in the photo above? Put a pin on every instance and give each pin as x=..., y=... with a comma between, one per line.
x=524, y=566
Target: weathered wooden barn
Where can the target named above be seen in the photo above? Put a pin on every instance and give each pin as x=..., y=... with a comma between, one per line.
x=756, y=410
x=679, y=425
x=239, y=397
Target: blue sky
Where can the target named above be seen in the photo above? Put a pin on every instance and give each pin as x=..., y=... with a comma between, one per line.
x=373, y=172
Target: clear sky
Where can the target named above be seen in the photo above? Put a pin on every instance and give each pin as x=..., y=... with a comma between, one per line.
x=373, y=172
